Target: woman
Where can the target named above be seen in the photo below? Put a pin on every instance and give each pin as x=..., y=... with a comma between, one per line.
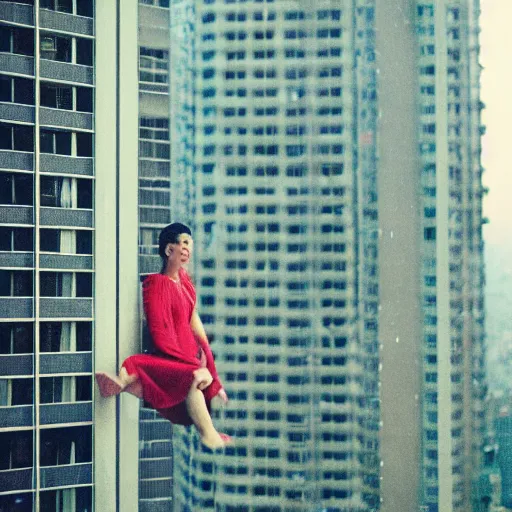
x=180, y=379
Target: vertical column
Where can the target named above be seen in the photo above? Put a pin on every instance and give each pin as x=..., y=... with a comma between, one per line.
x=105, y=332
x=444, y=386
x=400, y=319
x=127, y=243
x=117, y=284
x=37, y=237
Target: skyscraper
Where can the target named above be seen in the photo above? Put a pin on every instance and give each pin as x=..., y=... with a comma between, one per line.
x=47, y=256
x=431, y=255
x=65, y=133
x=297, y=174
x=327, y=156
x=286, y=237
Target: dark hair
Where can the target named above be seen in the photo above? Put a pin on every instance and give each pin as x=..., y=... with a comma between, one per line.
x=169, y=235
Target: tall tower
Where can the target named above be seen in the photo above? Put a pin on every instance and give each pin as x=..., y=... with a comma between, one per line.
x=284, y=92
x=430, y=199
x=155, y=433
x=66, y=229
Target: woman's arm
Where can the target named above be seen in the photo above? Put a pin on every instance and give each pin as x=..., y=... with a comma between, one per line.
x=198, y=329
x=197, y=326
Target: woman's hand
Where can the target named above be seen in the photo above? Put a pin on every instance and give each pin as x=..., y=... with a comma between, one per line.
x=202, y=378
x=223, y=395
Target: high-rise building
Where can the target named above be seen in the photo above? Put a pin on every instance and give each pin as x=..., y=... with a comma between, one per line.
x=431, y=255
x=327, y=156
x=66, y=130
x=46, y=236
x=155, y=432
x=296, y=212
x=286, y=236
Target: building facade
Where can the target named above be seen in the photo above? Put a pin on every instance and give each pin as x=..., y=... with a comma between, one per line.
x=286, y=236
x=47, y=109
x=330, y=169
x=64, y=311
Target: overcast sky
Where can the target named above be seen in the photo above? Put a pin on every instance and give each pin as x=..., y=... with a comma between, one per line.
x=496, y=41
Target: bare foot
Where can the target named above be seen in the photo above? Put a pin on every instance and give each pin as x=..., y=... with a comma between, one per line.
x=217, y=441
x=109, y=386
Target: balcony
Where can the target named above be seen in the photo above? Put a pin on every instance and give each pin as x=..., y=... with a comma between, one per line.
x=66, y=217
x=82, y=166
x=156, y=489
x=16, y=479
x=159, y=468
x=18, y=160
x=16, y=259
x=65, y=307
x=16, y=364
x=154, y=169
x=53, y=414
x=20, y=14
x=19, y=416
x=149, y=264
x=65, y=118
x=64, y=22
x=66, y=475
x=17, y=112
x=65, y=362
x=64, y=261
x=155, y=430
x=15, y=307
x=19, y=64
x=66, y=71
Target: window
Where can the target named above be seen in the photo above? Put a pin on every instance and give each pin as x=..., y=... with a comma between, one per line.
x=17, y=450
x=16, y=338
x=16, y=188
x=67, y=445
x=66, y=192
x=153, y=65
x=16, y=283
x=16, y=137
x=16, y=90
x=16, y=239
x=66, y=241
x=58, y=5
x=60, y=97
x=17, y=40
x=65, y=284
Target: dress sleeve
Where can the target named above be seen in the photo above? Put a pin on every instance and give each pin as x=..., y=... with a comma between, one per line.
x=156, y=296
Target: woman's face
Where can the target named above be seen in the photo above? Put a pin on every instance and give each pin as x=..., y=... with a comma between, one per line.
x=181, y=251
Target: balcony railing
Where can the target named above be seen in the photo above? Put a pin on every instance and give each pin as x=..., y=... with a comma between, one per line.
x=19, y=160
x=82, y=166
x=64, y=261
x=16, y=307
x=65, y=307
x=66, y=217
x=16, y=259
x=65, y=118
x=64, y=22
x=19, y=416
x=66, y=475
x=17, y=13
x=65, y=362
x=17, y=112
x=66, y=71
x=20, y=64
x=54, y=414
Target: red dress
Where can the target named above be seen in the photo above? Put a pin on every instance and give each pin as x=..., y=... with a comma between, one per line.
x=167, y=376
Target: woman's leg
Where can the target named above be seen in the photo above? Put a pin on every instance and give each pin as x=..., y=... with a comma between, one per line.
x=196, y=406
x=110, y=386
